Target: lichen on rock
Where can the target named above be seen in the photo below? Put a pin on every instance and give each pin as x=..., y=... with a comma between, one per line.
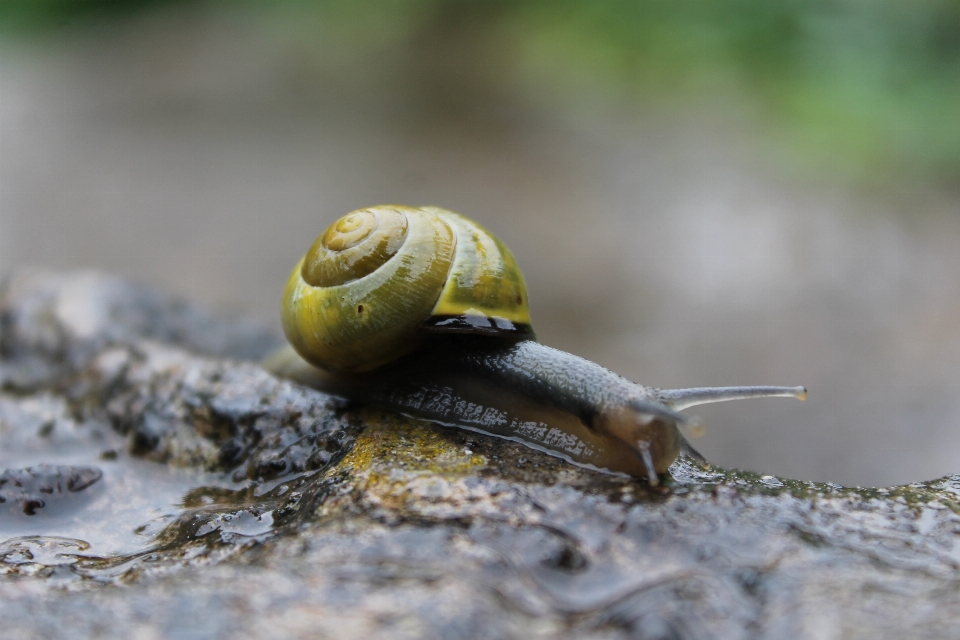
x=212, y=499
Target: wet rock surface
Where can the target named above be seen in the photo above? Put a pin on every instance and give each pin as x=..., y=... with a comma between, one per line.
x=31, y=489
x=188, y=493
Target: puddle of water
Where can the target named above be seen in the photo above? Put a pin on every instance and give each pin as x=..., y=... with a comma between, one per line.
x=129, y=505
x=76, y=504
x=124, y=500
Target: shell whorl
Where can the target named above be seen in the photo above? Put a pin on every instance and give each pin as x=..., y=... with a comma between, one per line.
x=378, y=281
x=354, y=246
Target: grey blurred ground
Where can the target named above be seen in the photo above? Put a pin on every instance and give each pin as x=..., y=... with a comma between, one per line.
x=202, y=152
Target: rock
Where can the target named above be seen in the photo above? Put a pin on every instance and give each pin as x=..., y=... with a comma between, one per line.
x=52, y=323
x=294, y=514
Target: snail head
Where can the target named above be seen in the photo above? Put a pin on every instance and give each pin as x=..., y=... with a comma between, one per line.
x=648, y=430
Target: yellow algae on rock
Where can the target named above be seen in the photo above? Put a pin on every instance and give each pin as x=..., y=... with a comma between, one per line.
x=391, y=441
x=400, y=462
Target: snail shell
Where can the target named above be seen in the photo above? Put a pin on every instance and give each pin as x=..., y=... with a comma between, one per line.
x=424, y=311
x=379, y=280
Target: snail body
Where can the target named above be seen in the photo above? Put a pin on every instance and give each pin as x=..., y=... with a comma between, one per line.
x=423, y=311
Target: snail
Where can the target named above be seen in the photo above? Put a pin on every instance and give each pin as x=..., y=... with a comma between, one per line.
x=423, y=311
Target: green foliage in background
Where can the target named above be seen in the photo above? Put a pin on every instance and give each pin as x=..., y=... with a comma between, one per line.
x=869, y=87
x=865, y=88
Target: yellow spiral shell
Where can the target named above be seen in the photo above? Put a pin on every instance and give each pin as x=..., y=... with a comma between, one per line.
x=378, y=281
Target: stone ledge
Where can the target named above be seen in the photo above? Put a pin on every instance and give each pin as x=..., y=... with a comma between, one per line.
x=270, y=510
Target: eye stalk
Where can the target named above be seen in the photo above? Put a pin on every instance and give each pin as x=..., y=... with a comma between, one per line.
x=680, y=399
x=423, y=311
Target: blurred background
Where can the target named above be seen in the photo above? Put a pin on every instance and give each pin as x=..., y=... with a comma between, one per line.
x=699, y=192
